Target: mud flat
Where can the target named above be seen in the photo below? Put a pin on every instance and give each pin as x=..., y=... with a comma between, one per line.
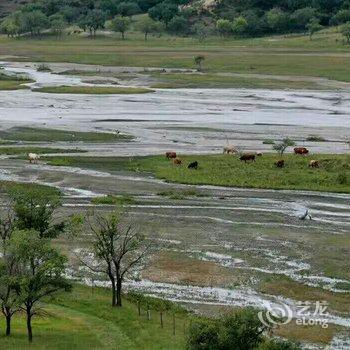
x=243, y=117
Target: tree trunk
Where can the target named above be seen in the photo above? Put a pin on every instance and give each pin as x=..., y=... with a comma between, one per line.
x=29, y=327
x=123, y=37
x=119, y=292
x=146, y=34
x=113, y=292
x=8, y=325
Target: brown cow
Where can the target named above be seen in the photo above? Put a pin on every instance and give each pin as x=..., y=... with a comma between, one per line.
x=247, y=157
x=171, y=155
x=301, y=150
x=280, y=163
x=177, y=161
x=314, y=164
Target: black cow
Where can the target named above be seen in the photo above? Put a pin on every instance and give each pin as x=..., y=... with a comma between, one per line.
x=193, y=165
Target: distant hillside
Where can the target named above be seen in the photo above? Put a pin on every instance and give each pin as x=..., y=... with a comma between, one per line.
x=7, y=6
x=239, y=18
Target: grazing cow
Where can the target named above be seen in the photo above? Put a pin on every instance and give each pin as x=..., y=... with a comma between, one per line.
x=230, y=149
x=314, y=164
x=33, y=158
x=177, y=161
x=247, y=158
x=193, y=165
x=171, y=155
x=280, y=163
x=301, y=150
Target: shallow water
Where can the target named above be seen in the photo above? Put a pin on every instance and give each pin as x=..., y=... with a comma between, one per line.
x=242, y=117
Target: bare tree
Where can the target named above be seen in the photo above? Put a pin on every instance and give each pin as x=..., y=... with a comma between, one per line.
x=281, y=147
x=117, y=248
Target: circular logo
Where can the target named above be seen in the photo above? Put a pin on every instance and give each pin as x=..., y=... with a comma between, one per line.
x=276, y=314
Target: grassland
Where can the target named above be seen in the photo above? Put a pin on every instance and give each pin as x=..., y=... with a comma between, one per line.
x=13, y=82
x=333, y=174
x=212, y=81
x=28, y=134
x=325, y=56
x=93, y=90
x=84, y=319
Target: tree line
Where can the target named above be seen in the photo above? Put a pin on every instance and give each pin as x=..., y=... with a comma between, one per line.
x=181, y=17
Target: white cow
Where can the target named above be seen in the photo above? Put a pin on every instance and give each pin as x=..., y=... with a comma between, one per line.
x=33, y=158
x=230, y=149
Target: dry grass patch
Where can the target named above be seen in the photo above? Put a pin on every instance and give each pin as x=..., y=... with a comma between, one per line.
x=175, y=267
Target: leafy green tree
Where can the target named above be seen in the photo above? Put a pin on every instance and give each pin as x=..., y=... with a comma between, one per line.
x=34, y=22
x=164, y=12
x=34, y=208
x=241, y=330
x=12, y=24
x=278, y=20
x=224, y=27
x=40, y=272
x=203, y=335
x=341, y=17
x=57, y=24
x=239, y=26
x=313, y=27
x=147, y=26
x=120, y=24
x=92, y=21
x=301, y=17
x=178, y=25
x=9, y=301
x=198, y=60
x=345, y=31
x=281, y=147
x=128, y=9
x=201, y=31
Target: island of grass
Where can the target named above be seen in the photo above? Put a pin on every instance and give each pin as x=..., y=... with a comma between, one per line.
x=114, y=200
x=28, y=134
x=93, y=90
x=13, y=82
x=333, y=175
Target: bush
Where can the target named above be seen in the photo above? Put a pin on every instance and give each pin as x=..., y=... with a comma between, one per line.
x=43, y=68
x=241, y=330
x=315, y=138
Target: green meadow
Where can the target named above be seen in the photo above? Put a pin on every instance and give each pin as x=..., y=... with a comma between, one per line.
x=333, y=175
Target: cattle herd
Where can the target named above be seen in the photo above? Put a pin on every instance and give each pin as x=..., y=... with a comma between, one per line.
x=245, y=157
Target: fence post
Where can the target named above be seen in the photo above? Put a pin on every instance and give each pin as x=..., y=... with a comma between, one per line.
x=173, y=323
x=161, y=319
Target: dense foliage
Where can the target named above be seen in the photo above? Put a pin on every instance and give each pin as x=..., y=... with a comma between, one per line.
x=240, y=331
x=184, y=17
